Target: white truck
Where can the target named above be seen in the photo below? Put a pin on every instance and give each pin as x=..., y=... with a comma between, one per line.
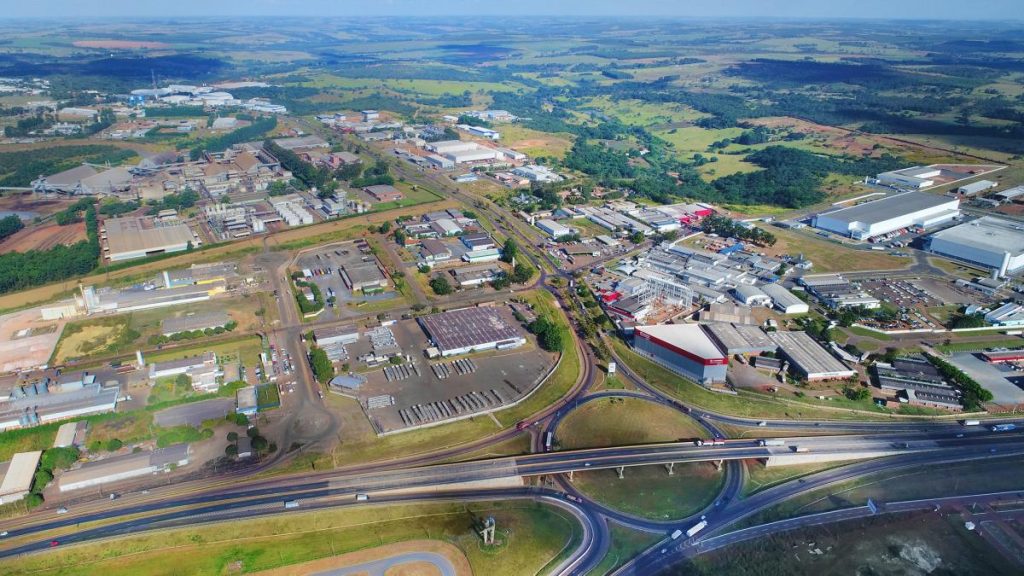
x=771, y=442
x=696, y=528
x=799, y=449
x=970, y=423
x=362, y=497
x=677, y=534
x=289, y=504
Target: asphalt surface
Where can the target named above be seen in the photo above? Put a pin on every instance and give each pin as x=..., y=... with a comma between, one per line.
x=379, y=567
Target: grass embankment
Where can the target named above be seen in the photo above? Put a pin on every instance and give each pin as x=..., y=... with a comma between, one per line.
x=646, y=491
x=906, y=484
x=760, y=476
x=529, y=536
x=1012, y=342
x=625, y=544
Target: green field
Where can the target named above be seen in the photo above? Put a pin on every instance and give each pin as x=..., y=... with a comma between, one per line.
x=625, y=544
x=646, y=491
x=530, y=536
x=622, y=422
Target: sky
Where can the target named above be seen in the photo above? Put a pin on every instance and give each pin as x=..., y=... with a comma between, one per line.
x=814, y=9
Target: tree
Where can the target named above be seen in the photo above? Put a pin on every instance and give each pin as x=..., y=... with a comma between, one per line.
x=509, y=251
x=424, y=269
x=42, y=478
x=858, y=393
x=260, y=444
x=231, y=450
x=440, y=285
x=521, y=274
x=636, y=237
x=114, y=444
x=232, y=436
x=59, y=458
x=323, y=369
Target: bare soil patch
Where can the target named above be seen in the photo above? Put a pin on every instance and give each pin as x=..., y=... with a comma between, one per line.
x=43, y=237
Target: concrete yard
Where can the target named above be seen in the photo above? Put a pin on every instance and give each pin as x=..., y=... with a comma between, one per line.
x=442, y=389
x=194, y=414
x=998, y=380
x=327, y=263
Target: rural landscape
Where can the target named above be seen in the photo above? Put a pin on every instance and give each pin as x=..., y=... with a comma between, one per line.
x=582, y=292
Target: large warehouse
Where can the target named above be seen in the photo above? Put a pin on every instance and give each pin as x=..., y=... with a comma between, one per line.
x=683, y=348
x=808, y=358
x=879, y=217
x=991, y=242
x=472, y=330
x=128, y=238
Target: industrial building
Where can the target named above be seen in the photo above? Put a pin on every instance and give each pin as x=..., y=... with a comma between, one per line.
x=18, y=476
x=553, y=229
x=471, y=330
x=748, y=295
x=54, y=399
x=292, y=212
x=475, y=275
x=108, y=300
x=1010, y=194
x=975, y=188
x=363, y=276
x=913, y=178
x=1009, y=314
x=128, y=238
x=988, y=241
x=118, y=468
x=203, y=371
x=808, y=358
x=683, y=348
x=536, y=173
x=246, y=401
x=785, y=301
x=889, y=214
x=739, y=338
x=328, y=336
x=383, y=193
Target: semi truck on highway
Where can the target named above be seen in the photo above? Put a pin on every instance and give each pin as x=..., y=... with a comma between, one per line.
x=547, y=442
x=291, y=504
x=771, y=442
x=1003, y=427
x=696, y=528
x=799, y=449
x=969, y=422
x=362, y=497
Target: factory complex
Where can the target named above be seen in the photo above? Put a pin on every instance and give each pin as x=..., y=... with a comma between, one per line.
x=903, y=211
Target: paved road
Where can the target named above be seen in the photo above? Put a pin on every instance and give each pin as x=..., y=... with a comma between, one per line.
x=379, y=567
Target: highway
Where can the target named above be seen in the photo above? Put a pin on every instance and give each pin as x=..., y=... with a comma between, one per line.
x=307, y=422
x=937, y=447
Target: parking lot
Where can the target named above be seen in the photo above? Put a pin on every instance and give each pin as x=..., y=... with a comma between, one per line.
x=1005, y=382
x=423, y=391
x=326, y=267
x=913, y=298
